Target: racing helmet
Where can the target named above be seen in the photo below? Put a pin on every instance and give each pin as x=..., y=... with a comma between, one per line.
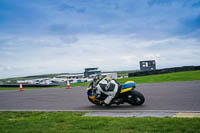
x=108, y=78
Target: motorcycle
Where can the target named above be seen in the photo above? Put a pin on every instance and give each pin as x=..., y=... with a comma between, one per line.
x=126, y=94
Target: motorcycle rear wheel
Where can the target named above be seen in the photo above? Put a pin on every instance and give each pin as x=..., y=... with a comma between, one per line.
x=136, y=98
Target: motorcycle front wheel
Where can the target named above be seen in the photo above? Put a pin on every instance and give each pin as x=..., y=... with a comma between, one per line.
x=135, y=98
x=94, y=102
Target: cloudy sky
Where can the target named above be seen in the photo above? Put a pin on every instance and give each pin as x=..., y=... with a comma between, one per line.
x=57, y=36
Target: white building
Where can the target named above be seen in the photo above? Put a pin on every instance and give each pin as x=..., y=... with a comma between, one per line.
x=73, y=78
x=62, y=79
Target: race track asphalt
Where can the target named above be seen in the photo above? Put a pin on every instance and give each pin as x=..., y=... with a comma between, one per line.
x=176, y=96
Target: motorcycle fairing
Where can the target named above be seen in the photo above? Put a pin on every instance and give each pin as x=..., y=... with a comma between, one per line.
x=129, y=85
x=89, y=92
x=94, y=99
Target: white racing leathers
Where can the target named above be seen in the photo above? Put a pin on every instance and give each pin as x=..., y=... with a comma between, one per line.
x=108, y=87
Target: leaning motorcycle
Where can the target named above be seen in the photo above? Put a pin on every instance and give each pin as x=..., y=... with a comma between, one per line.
x=126, y=94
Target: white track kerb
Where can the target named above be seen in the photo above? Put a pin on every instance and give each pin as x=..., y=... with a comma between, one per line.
x=128, y=113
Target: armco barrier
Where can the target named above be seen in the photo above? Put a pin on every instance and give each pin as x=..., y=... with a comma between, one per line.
x=165, y=70
x=27, y=85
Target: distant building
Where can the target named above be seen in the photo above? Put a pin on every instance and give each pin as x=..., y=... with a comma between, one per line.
x=71, y=76
x=148, y=65
x=91, y=72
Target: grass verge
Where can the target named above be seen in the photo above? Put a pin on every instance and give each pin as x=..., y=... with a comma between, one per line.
x=17, y=88
x=169, y=77
x=73, y=122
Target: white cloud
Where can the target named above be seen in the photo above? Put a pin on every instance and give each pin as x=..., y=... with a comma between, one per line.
x=52, y=54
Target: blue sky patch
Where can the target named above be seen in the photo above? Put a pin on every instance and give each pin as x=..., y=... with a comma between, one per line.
x=86, y=32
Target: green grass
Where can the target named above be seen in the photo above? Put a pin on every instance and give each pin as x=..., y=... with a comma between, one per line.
x=17, y=88
x=73, y=85
x=74, y=122
x=169, y=77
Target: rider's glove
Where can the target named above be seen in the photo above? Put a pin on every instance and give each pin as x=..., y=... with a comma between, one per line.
x=97, y=95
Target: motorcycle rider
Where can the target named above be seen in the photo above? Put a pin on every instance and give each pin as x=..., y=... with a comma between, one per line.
x=107, y=86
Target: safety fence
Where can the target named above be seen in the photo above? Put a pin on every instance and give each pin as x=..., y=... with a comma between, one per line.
x=28, y=85
x=165, y=70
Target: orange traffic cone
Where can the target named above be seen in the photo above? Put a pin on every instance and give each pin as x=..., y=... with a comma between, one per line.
x=68, y=84
x=20, y=87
